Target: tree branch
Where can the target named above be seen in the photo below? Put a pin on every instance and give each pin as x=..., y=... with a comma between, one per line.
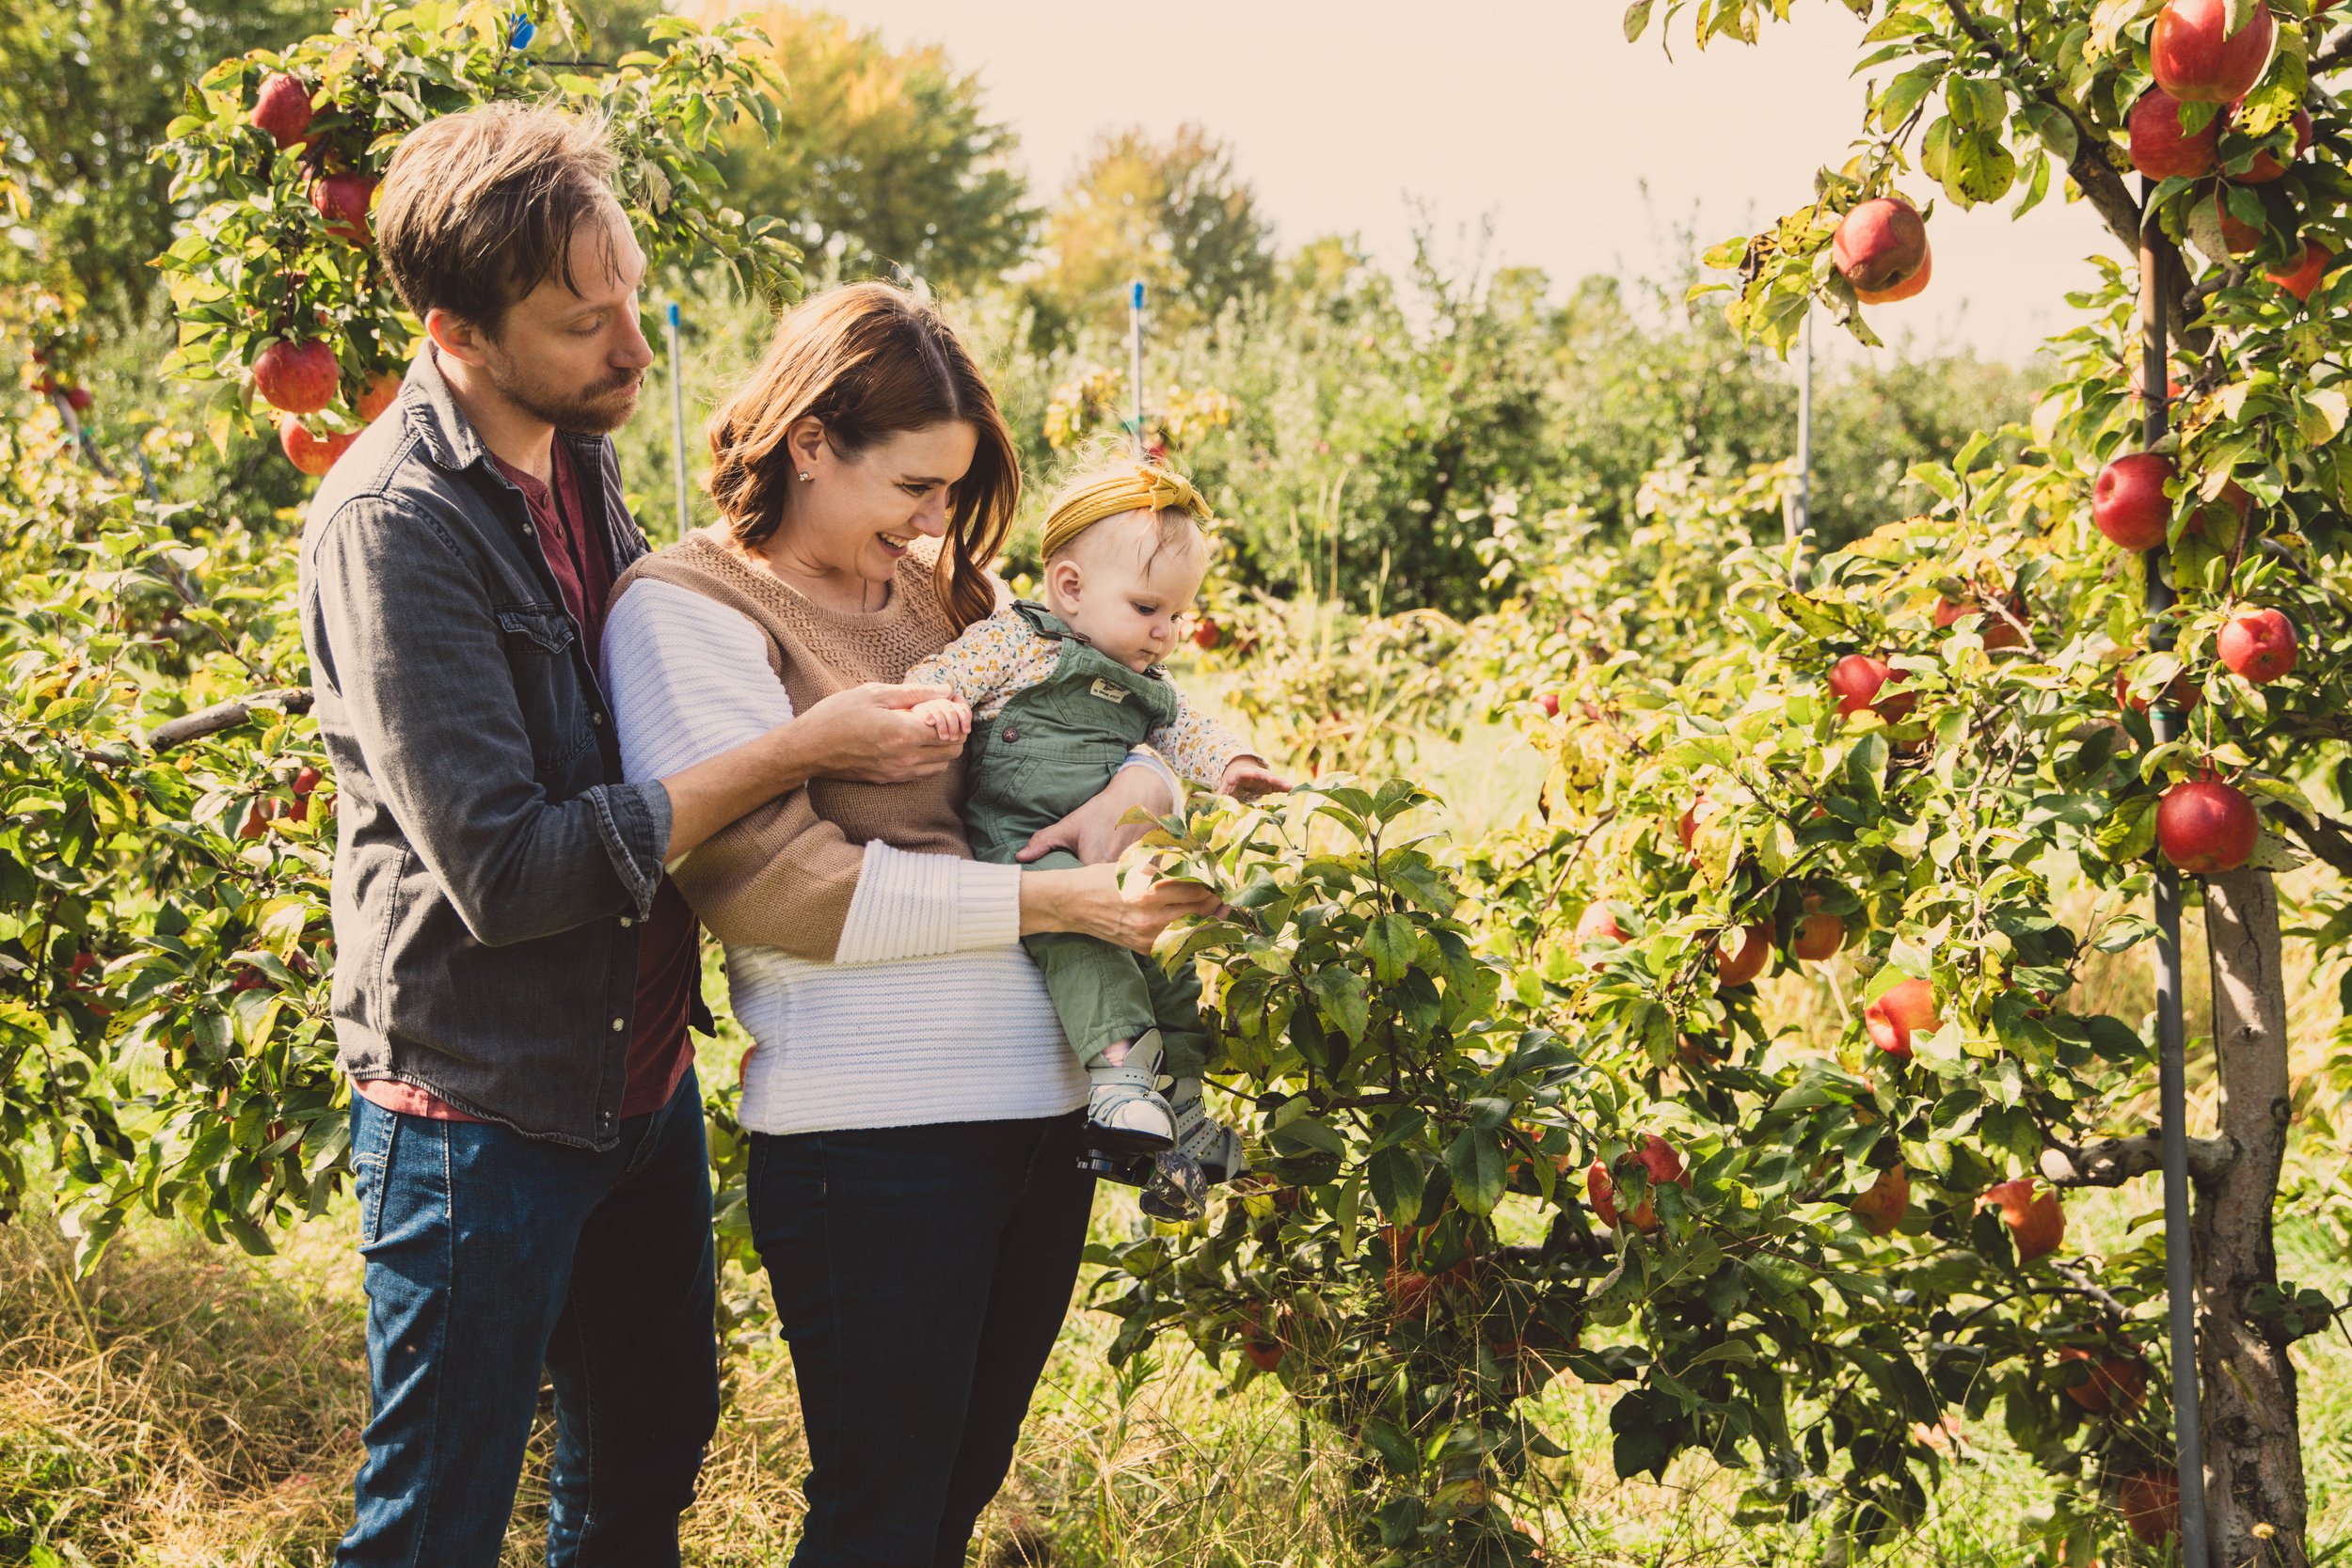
x=2325, y=837
x=2101, y=185
x=2112, y=1161
x=225, y=716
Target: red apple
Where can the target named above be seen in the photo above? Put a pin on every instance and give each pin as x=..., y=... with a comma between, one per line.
x=2238, y=237
x=296, y=375
x=2115, y=1380
x=2305, y=275
x=282, y=108
x=2205, y=826
x=2180, y=693
x=2266, y=166
x=381, y=394
x=2139, y=379
x=305, y=781
x=78, y=399
x=1662, y=1165
x=312, y=453
x=2151, y=1501
x=1264, y=1350
x=1855, y=680
x=2129, y=503
x=1550, y=703
x=1751, y=950
x=1998, y=630
x=2037, y=1225
x=1207, y=634
x=2258, y=644
x=2195, y=56
x=1907, y=1007
x=1599, y=923
x=1882, y=1206
x=342, y=200
x=1818, y=937
x=1881, y=248
x=2160, y=150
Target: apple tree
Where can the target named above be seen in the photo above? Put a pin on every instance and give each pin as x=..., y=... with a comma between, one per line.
x=165, y=943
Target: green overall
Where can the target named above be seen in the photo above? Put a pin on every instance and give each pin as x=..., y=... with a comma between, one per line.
x=1050, y=751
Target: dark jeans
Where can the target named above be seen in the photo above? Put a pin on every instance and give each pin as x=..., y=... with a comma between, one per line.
x=921, y=1274
x=490, y=1255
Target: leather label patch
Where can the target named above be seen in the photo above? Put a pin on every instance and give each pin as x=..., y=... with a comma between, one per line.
x=1107, y=691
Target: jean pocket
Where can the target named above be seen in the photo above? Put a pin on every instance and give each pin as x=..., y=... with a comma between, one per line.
x=371, y=1168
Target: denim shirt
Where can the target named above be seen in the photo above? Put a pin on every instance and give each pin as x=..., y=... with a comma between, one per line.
x=492, y=870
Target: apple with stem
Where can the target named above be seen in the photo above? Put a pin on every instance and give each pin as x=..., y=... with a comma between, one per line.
x=2036, y=1223
x=1659, y=1160
x=2304, y=277
x=2160, y=149
x=1598, y=923
x=2206, y=825
x=1881, y=250
x=312, y=451
x=282, y=108
x=1881, y=1207
x=1751, y=950
x=1905, y=1009
x=2257, y=643
x=296, y=375
x=343, y=200
x=2129, y=503
x=382, y=391
x=1855, y=681
x=1819, y=935
x=2001, y=627
x=2197, y=57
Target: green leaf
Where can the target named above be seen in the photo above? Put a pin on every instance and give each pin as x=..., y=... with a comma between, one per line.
x=1637, y=18
x=1392, y=942
x=1398, y=1179
x=1475, y=1160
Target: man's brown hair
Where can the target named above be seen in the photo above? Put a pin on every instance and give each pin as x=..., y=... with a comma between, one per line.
x=868, y=362
x=478, y=208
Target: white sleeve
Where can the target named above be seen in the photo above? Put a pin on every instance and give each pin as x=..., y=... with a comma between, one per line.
x=689, y=678
x=1143, y=756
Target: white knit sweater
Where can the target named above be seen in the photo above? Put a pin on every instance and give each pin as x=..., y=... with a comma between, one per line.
x=930, y=1011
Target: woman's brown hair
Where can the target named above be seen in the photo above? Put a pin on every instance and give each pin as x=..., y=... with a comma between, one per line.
x=869, y=360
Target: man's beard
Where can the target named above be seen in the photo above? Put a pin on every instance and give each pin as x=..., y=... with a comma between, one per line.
x=595, y=411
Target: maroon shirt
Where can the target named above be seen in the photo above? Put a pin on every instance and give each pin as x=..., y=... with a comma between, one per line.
x=669, y=954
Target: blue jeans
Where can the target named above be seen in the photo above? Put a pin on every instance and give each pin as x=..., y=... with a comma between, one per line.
x=922, y=1274
x=491, y=1255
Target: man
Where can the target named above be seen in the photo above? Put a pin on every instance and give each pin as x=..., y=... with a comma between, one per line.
x=514, y=978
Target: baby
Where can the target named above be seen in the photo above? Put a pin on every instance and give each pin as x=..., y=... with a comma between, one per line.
x=1053, y=697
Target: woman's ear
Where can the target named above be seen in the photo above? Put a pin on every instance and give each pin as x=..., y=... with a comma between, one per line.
x=805, y=441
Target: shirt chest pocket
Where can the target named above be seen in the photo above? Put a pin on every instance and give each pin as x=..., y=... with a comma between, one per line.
x=539, y=639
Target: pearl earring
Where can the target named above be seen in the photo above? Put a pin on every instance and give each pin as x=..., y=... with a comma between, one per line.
x=805, y=476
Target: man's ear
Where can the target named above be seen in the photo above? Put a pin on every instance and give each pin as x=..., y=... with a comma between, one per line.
x=1064, y=577
x=457, y=336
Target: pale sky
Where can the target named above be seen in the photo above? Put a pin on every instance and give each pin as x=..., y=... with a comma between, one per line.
x=1536, y=112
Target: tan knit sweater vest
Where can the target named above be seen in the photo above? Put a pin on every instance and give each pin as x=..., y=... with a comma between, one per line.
x=783, y=875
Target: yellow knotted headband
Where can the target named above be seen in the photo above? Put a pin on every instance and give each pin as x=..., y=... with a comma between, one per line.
x=1144, y=487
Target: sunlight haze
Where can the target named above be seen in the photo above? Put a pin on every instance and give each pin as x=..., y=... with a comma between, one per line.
x=1587, y=151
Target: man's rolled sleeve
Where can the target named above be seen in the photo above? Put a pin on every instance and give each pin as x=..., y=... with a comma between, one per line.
x=634, y=819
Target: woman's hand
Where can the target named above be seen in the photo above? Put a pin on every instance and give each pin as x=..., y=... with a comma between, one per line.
x=1096, y=901
x=871, y=734
x=1095, y=832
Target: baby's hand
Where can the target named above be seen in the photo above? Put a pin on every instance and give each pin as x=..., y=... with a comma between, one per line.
x=949, y=718
x=1247, y=778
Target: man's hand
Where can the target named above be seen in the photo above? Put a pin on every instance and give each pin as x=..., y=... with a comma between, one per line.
x=1247, y=778
x=874, y=734
x=1095, y=832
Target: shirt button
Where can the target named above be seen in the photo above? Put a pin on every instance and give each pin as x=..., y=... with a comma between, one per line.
x=526, y=528
x=627, y=921
x=1011, y=734
x=619, y=1025
x=595, y=719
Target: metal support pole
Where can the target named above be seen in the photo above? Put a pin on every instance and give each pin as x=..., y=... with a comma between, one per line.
x=677, y=415
x=2171, y=1068
x=1799, y=513
x=1135, y=357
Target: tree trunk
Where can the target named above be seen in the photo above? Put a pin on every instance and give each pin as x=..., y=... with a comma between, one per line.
x=2253, y=1458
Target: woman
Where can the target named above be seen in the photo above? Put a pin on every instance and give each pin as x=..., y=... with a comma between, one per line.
x=914, y=1114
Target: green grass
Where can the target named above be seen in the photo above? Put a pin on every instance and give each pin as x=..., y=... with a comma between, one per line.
x=186, y=1405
